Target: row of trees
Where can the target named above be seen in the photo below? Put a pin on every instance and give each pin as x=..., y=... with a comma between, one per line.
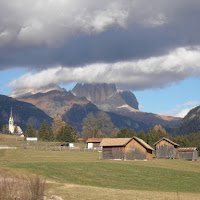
x=100, y=125
x=60, y=131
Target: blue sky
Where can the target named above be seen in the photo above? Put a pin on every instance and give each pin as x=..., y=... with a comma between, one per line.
x=153, y=50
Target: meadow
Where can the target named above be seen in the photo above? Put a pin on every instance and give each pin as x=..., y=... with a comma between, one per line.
x=84, y=175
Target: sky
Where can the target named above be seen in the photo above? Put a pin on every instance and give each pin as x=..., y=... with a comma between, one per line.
x=151, y=49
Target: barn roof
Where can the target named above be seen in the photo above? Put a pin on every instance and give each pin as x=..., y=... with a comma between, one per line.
x=166, y=139
x=187, y=149
x=123, y=142
x=115, y=141
x=91, y=140
x=143, y=143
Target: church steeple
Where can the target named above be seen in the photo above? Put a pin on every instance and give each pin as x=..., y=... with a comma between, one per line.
x=11, y=112
x=11, y=123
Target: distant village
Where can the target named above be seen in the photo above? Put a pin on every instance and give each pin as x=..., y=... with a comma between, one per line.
x=126, y=148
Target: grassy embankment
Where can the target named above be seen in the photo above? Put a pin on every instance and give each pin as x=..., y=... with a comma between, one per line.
x=82, y=175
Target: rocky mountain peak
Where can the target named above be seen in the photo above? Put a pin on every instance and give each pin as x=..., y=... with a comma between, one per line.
x=106, y=96
x=96, y=93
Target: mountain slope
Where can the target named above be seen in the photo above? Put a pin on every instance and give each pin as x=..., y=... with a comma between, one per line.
x=24, y=92
x=23, y=113
x=55, y=102
x=73, y=106
x=191, y=122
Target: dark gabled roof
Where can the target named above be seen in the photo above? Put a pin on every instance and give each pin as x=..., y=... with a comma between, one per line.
x=93, y=140
x=123, y=142
x=166, y=139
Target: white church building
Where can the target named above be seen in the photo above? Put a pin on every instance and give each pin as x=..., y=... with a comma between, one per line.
x=13, y=128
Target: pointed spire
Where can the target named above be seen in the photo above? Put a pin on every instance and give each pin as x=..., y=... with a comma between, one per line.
x=11, y=112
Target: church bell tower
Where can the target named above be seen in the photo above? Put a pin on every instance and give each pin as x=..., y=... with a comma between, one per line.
x=11, y=123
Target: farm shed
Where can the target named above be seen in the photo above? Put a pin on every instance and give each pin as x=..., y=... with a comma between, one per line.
x=166, y=148
x=126, y=149
x=94, y=143
x=189, y=153
x=81, y=140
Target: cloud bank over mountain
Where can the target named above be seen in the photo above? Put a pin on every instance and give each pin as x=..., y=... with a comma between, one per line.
x=135, y=44
x=154, y=72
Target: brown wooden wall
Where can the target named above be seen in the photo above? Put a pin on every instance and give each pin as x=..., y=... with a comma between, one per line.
x=188, y=155
x=113, y=152
x=135, y=151
x=132, y=151
x=165, y=149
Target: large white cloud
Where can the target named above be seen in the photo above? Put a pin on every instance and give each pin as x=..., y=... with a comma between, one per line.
x=47, y=22
x=154, y=72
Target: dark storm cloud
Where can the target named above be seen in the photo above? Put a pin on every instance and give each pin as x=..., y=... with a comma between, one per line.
x=83, y=35
x=101, y=35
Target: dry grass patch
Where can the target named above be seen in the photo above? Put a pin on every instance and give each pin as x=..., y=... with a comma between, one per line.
x=74, y=192
x=26, y=188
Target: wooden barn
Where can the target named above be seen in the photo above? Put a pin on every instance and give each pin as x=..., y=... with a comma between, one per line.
x=166, y=148
x=93, y=143
x=126, y=149
x=189, y=153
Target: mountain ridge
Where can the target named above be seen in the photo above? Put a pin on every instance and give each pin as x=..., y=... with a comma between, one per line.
x=119, y=104
x=23, y=113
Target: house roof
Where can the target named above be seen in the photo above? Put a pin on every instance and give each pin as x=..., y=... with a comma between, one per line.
x=166, y=139
x=187, y=149
x=123, y=142
x=93, y=140
x=115, y=141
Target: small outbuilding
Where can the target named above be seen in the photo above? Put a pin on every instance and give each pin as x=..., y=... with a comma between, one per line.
x=189, y=153
x=166, y=148
x=81, y=140
x=93, y=143
x=126, y=149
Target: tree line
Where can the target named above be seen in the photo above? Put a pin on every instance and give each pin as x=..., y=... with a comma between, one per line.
x=99, y=125
x=58, y=131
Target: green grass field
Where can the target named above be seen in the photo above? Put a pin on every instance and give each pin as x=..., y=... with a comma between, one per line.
x=69, y=173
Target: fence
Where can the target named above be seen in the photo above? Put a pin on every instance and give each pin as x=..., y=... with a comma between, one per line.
x=59, y=148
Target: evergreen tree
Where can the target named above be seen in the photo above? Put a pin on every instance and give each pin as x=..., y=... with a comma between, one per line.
x=5, y=129
x=45, y=133
x=141, y=135
x=67, y=134
x=30, y=131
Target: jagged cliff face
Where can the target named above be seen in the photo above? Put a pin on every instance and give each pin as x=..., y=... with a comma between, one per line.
x=96, y=93
x=106, y=96
x=129, y=98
